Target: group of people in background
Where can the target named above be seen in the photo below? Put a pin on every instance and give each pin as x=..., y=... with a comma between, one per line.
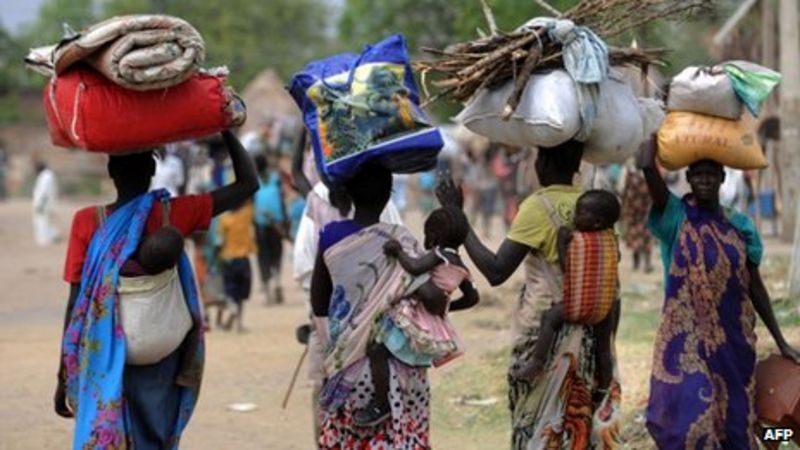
x=564, y=389
x=379, y=299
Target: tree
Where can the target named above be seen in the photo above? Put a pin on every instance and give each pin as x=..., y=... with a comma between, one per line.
x=10, y=57
x=422, y=22
x=47, y=29
x=430, y=23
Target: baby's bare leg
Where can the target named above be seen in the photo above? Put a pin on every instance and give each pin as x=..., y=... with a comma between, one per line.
x=379, y=365
x=552, y=320
x=378, y=408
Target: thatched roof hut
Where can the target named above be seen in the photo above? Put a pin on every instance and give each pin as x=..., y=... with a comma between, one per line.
x=267, y=98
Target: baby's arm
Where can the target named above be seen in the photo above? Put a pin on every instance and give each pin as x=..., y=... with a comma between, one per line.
x=564, y=238
x=468, y=299
x=414, y=266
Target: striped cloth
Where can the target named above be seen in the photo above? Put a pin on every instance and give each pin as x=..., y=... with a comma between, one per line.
x=590, y=276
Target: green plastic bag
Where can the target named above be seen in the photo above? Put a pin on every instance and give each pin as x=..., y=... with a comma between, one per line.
x=752, y=83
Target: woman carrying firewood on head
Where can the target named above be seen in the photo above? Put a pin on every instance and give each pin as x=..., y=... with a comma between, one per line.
x=557, y=407
x=132, y=353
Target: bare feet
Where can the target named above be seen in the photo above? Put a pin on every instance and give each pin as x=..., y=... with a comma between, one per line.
x=528, y=371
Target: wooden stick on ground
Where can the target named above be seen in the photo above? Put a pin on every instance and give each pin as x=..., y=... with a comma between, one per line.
x=294, y=376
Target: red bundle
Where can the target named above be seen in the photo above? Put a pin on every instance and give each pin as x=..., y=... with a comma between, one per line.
x=88, y=111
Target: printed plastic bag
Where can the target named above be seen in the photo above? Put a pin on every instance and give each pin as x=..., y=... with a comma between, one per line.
x=365, y=107
x=548, y=113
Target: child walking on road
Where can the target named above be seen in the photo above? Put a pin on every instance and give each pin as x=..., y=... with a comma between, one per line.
x=237, y=243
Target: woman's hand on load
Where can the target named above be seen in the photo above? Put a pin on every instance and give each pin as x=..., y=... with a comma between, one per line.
x=60, y=401
x=790, y=353
x=392, y=248
x=646, y=157
x=448, y=193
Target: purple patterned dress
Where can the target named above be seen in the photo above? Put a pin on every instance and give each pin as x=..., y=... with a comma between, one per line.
x=703, y=382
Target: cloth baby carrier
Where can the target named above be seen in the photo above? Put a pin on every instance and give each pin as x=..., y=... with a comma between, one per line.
x=153, y=309
x=590, y=273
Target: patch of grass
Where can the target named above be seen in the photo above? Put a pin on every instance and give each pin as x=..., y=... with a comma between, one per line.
x=787, y=312
x=459, y=426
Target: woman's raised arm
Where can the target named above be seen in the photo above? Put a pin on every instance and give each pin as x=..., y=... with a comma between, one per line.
x=496, y=267
x=246, y=184
x=646, y=161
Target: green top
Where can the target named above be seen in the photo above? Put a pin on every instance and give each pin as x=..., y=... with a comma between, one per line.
x=667, y=224
x=533, y=226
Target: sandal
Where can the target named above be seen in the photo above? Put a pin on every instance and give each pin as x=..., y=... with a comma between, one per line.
x=371, y=415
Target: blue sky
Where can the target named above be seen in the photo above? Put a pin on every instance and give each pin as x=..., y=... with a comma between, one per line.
x=13, y=13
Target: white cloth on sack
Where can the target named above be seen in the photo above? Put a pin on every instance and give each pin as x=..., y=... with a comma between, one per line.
x=585, y=59
x=45, y=196
x=169, y=174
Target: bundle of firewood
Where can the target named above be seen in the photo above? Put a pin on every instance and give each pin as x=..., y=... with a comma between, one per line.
x=465, y=68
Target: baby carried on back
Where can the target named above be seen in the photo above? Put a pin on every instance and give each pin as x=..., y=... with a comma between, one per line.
x=415, y=329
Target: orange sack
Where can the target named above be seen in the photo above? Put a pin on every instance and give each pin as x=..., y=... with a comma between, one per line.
x=685, y=138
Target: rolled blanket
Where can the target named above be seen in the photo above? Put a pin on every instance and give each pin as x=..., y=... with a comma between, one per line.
x=139, y=52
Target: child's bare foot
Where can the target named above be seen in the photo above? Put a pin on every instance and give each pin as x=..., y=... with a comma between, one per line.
x=529, y=370
x=372, y=414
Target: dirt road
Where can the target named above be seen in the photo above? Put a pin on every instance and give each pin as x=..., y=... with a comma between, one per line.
x=469, y=408
x=254, y=367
